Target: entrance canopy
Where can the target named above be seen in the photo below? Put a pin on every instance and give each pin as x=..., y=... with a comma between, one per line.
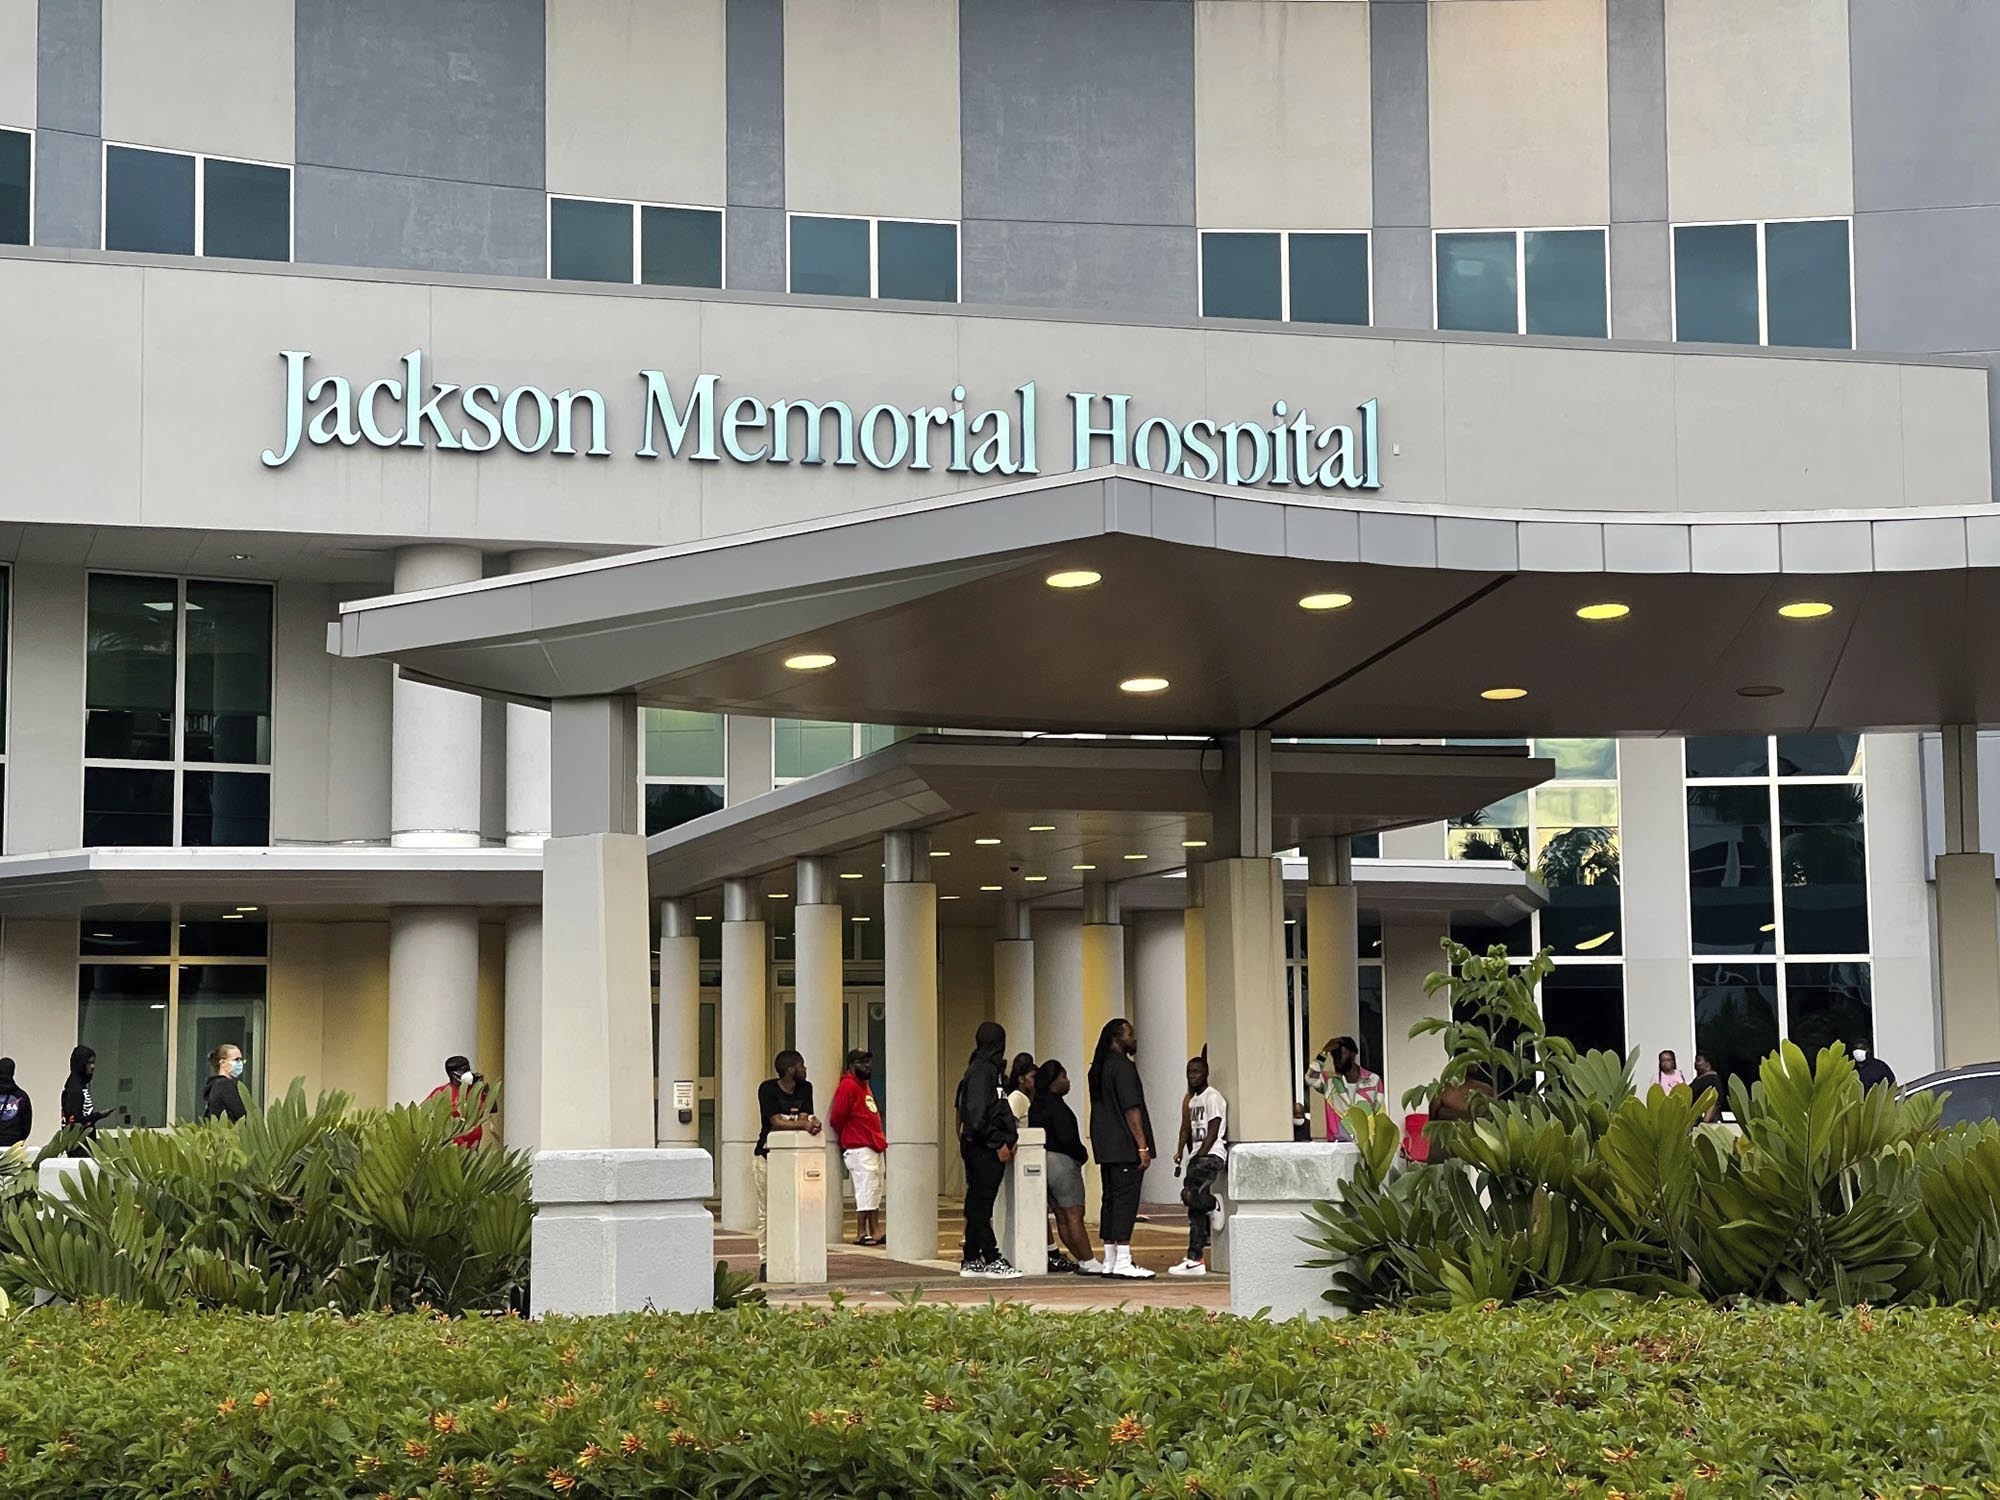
x=1456, y=622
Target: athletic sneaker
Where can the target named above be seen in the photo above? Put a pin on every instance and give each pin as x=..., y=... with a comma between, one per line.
x=1132, y=1271
x=1188, y=1268
x=973, y=1268
x=1001, y=1268
x=1092, y=1267
x=1216, y=1222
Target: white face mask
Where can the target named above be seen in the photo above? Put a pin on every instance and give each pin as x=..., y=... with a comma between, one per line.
x=236, y=1067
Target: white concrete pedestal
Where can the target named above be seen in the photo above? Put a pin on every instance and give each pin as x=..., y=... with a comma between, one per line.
x=1021, y=1214
x=55, y=1175
x=1271, y=1185
x=623, y=1231
x=795, y=1240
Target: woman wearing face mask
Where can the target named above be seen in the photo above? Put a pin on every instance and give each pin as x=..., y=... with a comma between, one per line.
x=222, y=1095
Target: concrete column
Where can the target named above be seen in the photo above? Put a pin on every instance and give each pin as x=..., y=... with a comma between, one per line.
x=1103, y=942
x=910, y=1015
x=434, y=731
x=527, y=732
x=818, y=998
x=1014, y=977
x=1159, y=1011
x=1899, y=905
x=433, y=995
x=1059, y=995
x=1243, y=890
x=680, y=1025
x=1333, y=915
x=746, y=758
x=1410, y=955
x=745, y=1053
x=1968, y=919
x=521, y=1068
x=1194, y=943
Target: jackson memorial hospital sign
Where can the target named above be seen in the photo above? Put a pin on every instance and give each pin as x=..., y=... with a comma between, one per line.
x=703, y=422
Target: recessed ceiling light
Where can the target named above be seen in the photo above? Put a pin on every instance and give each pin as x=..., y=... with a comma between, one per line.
x=1136, y=856
x=850, y=874
x=1074, y=578
x=1589, y=945
x=232, y=916
x=1041, y=828
x=940, y=854
x=1291, y=921
x=1326, y=601
x=1194, y=843
x=1034, y=878
x=986, y=841
x=246, y=908
x=989, y=887
x=1805, y=609
x=860, y=918
x=1605, y=611
x=947, y=898
x=810, y=661
x=1083, y=867
x=239, y=557
x=104, y=935
x=1143, y=685
x=157, y=1005
x=1503, y=694
x=704, y=917
x=1760, y=690
x=779, y=895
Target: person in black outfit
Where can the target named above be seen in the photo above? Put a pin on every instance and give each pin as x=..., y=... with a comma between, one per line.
x=1707, y=1081
x=784, y=1102
x=1871, y=1068
x=221, y=1095
x=78, y=1107
x=1121, y=1135
x=986, y=1133
x=1065, y=1157
x=17, y=1111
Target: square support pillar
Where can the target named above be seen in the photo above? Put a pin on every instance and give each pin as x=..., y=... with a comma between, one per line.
x=1248, y=1030
x=1021, y=1212
x=818, y=1011
x=1271, y=1185
x=1014, y=978
x=595, y=975
x=910, y=1016
x=679, y=1064
x=622, y=1231
x=1333, y=938
x=745, y=1053
x=1968, y=917
x=797, y=1181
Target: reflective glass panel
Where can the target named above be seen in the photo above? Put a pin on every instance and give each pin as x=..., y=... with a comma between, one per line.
x=1368, y=937
x=1729, y=869
x=1806, y=298
x=1476, y=287
x=1825, y=858
x=1586, y=1004
x=1582, y=760
x=1478, y=935
x=670, y=804
x=228, y=694
x=6, y=618
x=1819, y=755
x=803, y=747
x=221, y=1004
x=223, y=932
x=590, y=241
x=1329, y=275
x=916, y=262
x=16, y=156
x=830, y=256
x=683, y=742
x=1828, y=1003
x=246, y=211
x=122, y=1015
x=1715, y=283
x=680, y=247
x=1584, y=915
x=1735, y=1017
x=1370, y=1039
x=880, y=736
x=122, y=936
x=1239, y=276
x=225, y=808
x=1368, y=846
x=148, y=201
x=1565, y=270
x=127, y=807
x=1727, y=755
x=129, y=675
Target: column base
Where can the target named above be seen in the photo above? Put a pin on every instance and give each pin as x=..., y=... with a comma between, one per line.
x=1271, y=1185
x=622, y=1231
x=911, y=1180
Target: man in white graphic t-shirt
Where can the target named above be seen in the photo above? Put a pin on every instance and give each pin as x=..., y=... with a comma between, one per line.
x=1204, y=1121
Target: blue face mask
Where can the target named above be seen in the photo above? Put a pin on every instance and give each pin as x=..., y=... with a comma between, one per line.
x=236, y=1068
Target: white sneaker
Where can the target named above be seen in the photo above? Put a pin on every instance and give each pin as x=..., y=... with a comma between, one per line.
x=1092, y=1267
x=1002, y=1269
x=1132, y=1271
x=1216, y=1222
x=1188, y=1268
x=973, y=1268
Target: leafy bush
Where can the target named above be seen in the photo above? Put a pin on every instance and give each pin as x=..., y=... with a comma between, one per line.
x=1584, y=1397
x=295, y=1206
x=1562, y=1179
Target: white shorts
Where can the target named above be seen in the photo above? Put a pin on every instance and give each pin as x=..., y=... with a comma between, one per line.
x=864, y=1165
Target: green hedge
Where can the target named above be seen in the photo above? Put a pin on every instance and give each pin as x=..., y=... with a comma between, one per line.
x=1590, y=1397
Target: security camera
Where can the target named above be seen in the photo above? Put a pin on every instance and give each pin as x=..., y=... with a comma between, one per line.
x=1013, y=869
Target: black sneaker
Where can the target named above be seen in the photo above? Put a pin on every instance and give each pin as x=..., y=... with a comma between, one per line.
x=973, y=1268
x=1000, y=1267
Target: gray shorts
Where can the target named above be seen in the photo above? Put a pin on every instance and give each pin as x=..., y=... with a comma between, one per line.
x=1065, y=1181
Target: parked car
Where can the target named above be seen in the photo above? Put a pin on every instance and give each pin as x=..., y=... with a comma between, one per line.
x=1971, y=1092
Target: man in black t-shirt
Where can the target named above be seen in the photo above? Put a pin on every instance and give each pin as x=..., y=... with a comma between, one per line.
x=1121, y=1138
x=784, y=1102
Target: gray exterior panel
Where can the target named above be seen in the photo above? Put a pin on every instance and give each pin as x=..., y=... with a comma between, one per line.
x=69, y=199
x=417, y=223
x=1927, y=279
x=69, y=66
x=1111, y=268
x=1399, y=114
x=754, y=249
x=756, y=103
x=1926, y=113
x=1642, y=305
x=1403, y=275
x=1636, y=44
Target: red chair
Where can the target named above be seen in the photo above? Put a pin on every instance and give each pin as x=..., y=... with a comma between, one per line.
x=1416, y=1145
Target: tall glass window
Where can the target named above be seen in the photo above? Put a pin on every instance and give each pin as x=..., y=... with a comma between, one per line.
x=157, y=993
x=17, y=178
x=1290, y=276
x=172, y=203
x=177, y=712
x=651, y=244
x=684, y=766
x=805, y=747
x=1567, y=832
x=1778, y=892
x=1547, y=281
x=1786, y=282
x=914, y=260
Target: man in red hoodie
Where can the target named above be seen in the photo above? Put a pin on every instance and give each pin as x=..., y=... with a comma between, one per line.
x=857, y=1124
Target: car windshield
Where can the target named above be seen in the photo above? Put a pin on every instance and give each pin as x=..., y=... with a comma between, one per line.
x=1972, y=1098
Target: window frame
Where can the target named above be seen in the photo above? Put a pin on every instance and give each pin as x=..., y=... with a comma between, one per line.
x=1366, y=236
x=201, y=160
x=1521, y=233
x=720, y=783
x=637, y=206
x=34, y=164
x=178, y=765
x=1763, y=285
x=875, y=223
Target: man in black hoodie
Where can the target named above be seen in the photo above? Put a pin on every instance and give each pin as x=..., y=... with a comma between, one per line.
x=78, y=1108
x=17, y=1114
x=986, y=1131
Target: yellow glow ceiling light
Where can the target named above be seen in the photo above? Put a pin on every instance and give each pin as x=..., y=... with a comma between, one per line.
x=1504, y=694
x=1137, y=856
x=1590, y=945
x=987, y=842
x=810, y=661
x=1194, y=843
x=1609, y=610
x=1083, y=867
x=1143, y=685
x=1327, y=601
x=989, y=887
x=1806, y=609
x=1033, y=878
x=1041, y=828
x=1074, y=578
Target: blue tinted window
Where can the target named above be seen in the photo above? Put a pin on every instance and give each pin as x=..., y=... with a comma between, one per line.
x=1565, y=270
x=16, y=149
x=1239, y=276
x=148, y=201
x=1715, y=283
x=246, y=211
x=590, y=241
x=916, y=262
x=680, y=247
x=1806, y=301
x=830, y=257
x=1329, y=277
x=1477, y=290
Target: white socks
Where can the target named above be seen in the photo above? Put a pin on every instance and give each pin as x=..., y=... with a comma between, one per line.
x=1116, y=1256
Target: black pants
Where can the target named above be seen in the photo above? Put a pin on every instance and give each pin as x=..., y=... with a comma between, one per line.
x=1121, y=1200
x=1199, y=1196
x=984, y=1172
